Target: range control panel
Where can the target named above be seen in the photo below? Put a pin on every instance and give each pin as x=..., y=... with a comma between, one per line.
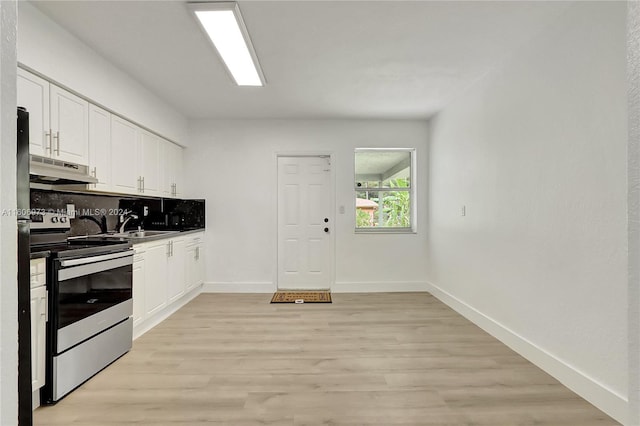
x=50, y=220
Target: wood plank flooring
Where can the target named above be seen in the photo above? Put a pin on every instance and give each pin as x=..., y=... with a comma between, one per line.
x=367, y=359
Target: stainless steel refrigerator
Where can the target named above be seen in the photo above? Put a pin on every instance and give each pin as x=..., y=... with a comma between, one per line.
x=25, y=415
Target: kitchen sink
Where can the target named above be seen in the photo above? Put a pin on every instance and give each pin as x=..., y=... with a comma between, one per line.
x=143, y=233
x=137, y=234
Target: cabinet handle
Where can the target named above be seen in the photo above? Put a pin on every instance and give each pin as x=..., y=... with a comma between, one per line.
x=48, y=136
x=142, y=183
x=57, y=138
x=46, y=306
x=139, y=183
x=197, y=253
x=95, y=175
x=169, y=249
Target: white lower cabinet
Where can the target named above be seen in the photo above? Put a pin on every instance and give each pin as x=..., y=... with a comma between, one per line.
x=163, y=272
x=176, y=269
x=38, y=335
x=139, y=282
x=39, y=319
x=155, y=289
x=194, y=265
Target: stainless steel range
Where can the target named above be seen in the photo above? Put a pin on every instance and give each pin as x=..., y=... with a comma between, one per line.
x=90, y=302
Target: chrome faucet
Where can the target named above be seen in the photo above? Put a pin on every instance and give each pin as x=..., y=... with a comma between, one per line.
x=124, y=219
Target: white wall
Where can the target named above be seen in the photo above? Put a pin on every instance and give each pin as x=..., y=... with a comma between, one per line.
x=633, y=74
x=49, y=49
x=8, y=224
x=537, y=153
x=233, y=165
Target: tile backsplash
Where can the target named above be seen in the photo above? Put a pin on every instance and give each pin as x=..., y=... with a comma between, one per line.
x=111, y=206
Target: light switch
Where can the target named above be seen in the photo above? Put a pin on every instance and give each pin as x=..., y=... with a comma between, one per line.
x=341, y=209
x=463, y=211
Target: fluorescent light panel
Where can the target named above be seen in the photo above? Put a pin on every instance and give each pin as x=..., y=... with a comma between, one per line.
x=224, y=26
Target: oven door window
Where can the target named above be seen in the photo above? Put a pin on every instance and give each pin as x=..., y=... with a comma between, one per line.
x=86, y=295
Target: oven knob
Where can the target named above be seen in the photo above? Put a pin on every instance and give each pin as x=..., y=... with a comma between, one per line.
x=63, y=219
x=54, y=220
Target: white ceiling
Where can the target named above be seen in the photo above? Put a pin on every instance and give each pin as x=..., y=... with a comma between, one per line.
x=321, y=59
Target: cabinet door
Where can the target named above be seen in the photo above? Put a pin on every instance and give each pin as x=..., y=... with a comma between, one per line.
x=149, y=161
x=177, y=171
x=33, y=94
x=176, y=273
x=190, y=268
x=69, y=126
x=38, y=335
x=200, y=270
x=172, y=159
x=194, y=266
x=124, y=156
x=155, y=289
x=139, y=284
x=100, y=147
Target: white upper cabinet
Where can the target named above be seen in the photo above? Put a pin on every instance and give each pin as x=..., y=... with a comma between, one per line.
x=58, y=119
x=33, y=94
x=124, y=156
x=100, y=147
x=69, y=126
x=172, y=154
x=150, y=163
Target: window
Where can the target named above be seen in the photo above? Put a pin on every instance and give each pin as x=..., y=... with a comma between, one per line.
x=384, y=190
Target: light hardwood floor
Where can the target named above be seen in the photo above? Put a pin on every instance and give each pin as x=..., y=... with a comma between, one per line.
x=367, y=359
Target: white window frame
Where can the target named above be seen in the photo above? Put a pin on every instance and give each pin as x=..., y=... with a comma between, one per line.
x=412, y=194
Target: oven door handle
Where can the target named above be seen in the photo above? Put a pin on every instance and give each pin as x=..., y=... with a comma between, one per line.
x=93, y=268
x=93, y=259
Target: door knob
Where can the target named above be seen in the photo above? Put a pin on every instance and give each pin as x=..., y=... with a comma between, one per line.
x=326, y=219
x=326, y=229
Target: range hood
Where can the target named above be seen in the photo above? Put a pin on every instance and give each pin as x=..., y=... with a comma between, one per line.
x=55, y=172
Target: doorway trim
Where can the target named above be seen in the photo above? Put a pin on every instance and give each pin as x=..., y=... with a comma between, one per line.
x=332, y=209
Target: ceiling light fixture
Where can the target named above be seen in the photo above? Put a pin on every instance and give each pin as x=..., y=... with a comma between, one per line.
x=224, y=25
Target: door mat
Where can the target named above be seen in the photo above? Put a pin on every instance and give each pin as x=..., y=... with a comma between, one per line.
x=301, y=297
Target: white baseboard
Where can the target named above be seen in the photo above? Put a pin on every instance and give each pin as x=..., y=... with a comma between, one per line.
x=239, y=287
x=340, y=287
x=166, y=312
x=607, y=400
x=379, y=287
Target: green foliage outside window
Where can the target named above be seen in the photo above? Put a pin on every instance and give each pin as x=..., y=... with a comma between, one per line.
x=395, y=207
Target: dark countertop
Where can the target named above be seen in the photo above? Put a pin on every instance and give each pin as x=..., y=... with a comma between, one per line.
x=44, y=252
x=172, y=234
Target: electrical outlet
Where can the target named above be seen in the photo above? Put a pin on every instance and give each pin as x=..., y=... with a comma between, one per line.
x=145, y=211
x=341, y=209
x=463, y=211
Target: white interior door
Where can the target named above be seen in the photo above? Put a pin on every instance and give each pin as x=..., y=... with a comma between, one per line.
x=305, y=223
